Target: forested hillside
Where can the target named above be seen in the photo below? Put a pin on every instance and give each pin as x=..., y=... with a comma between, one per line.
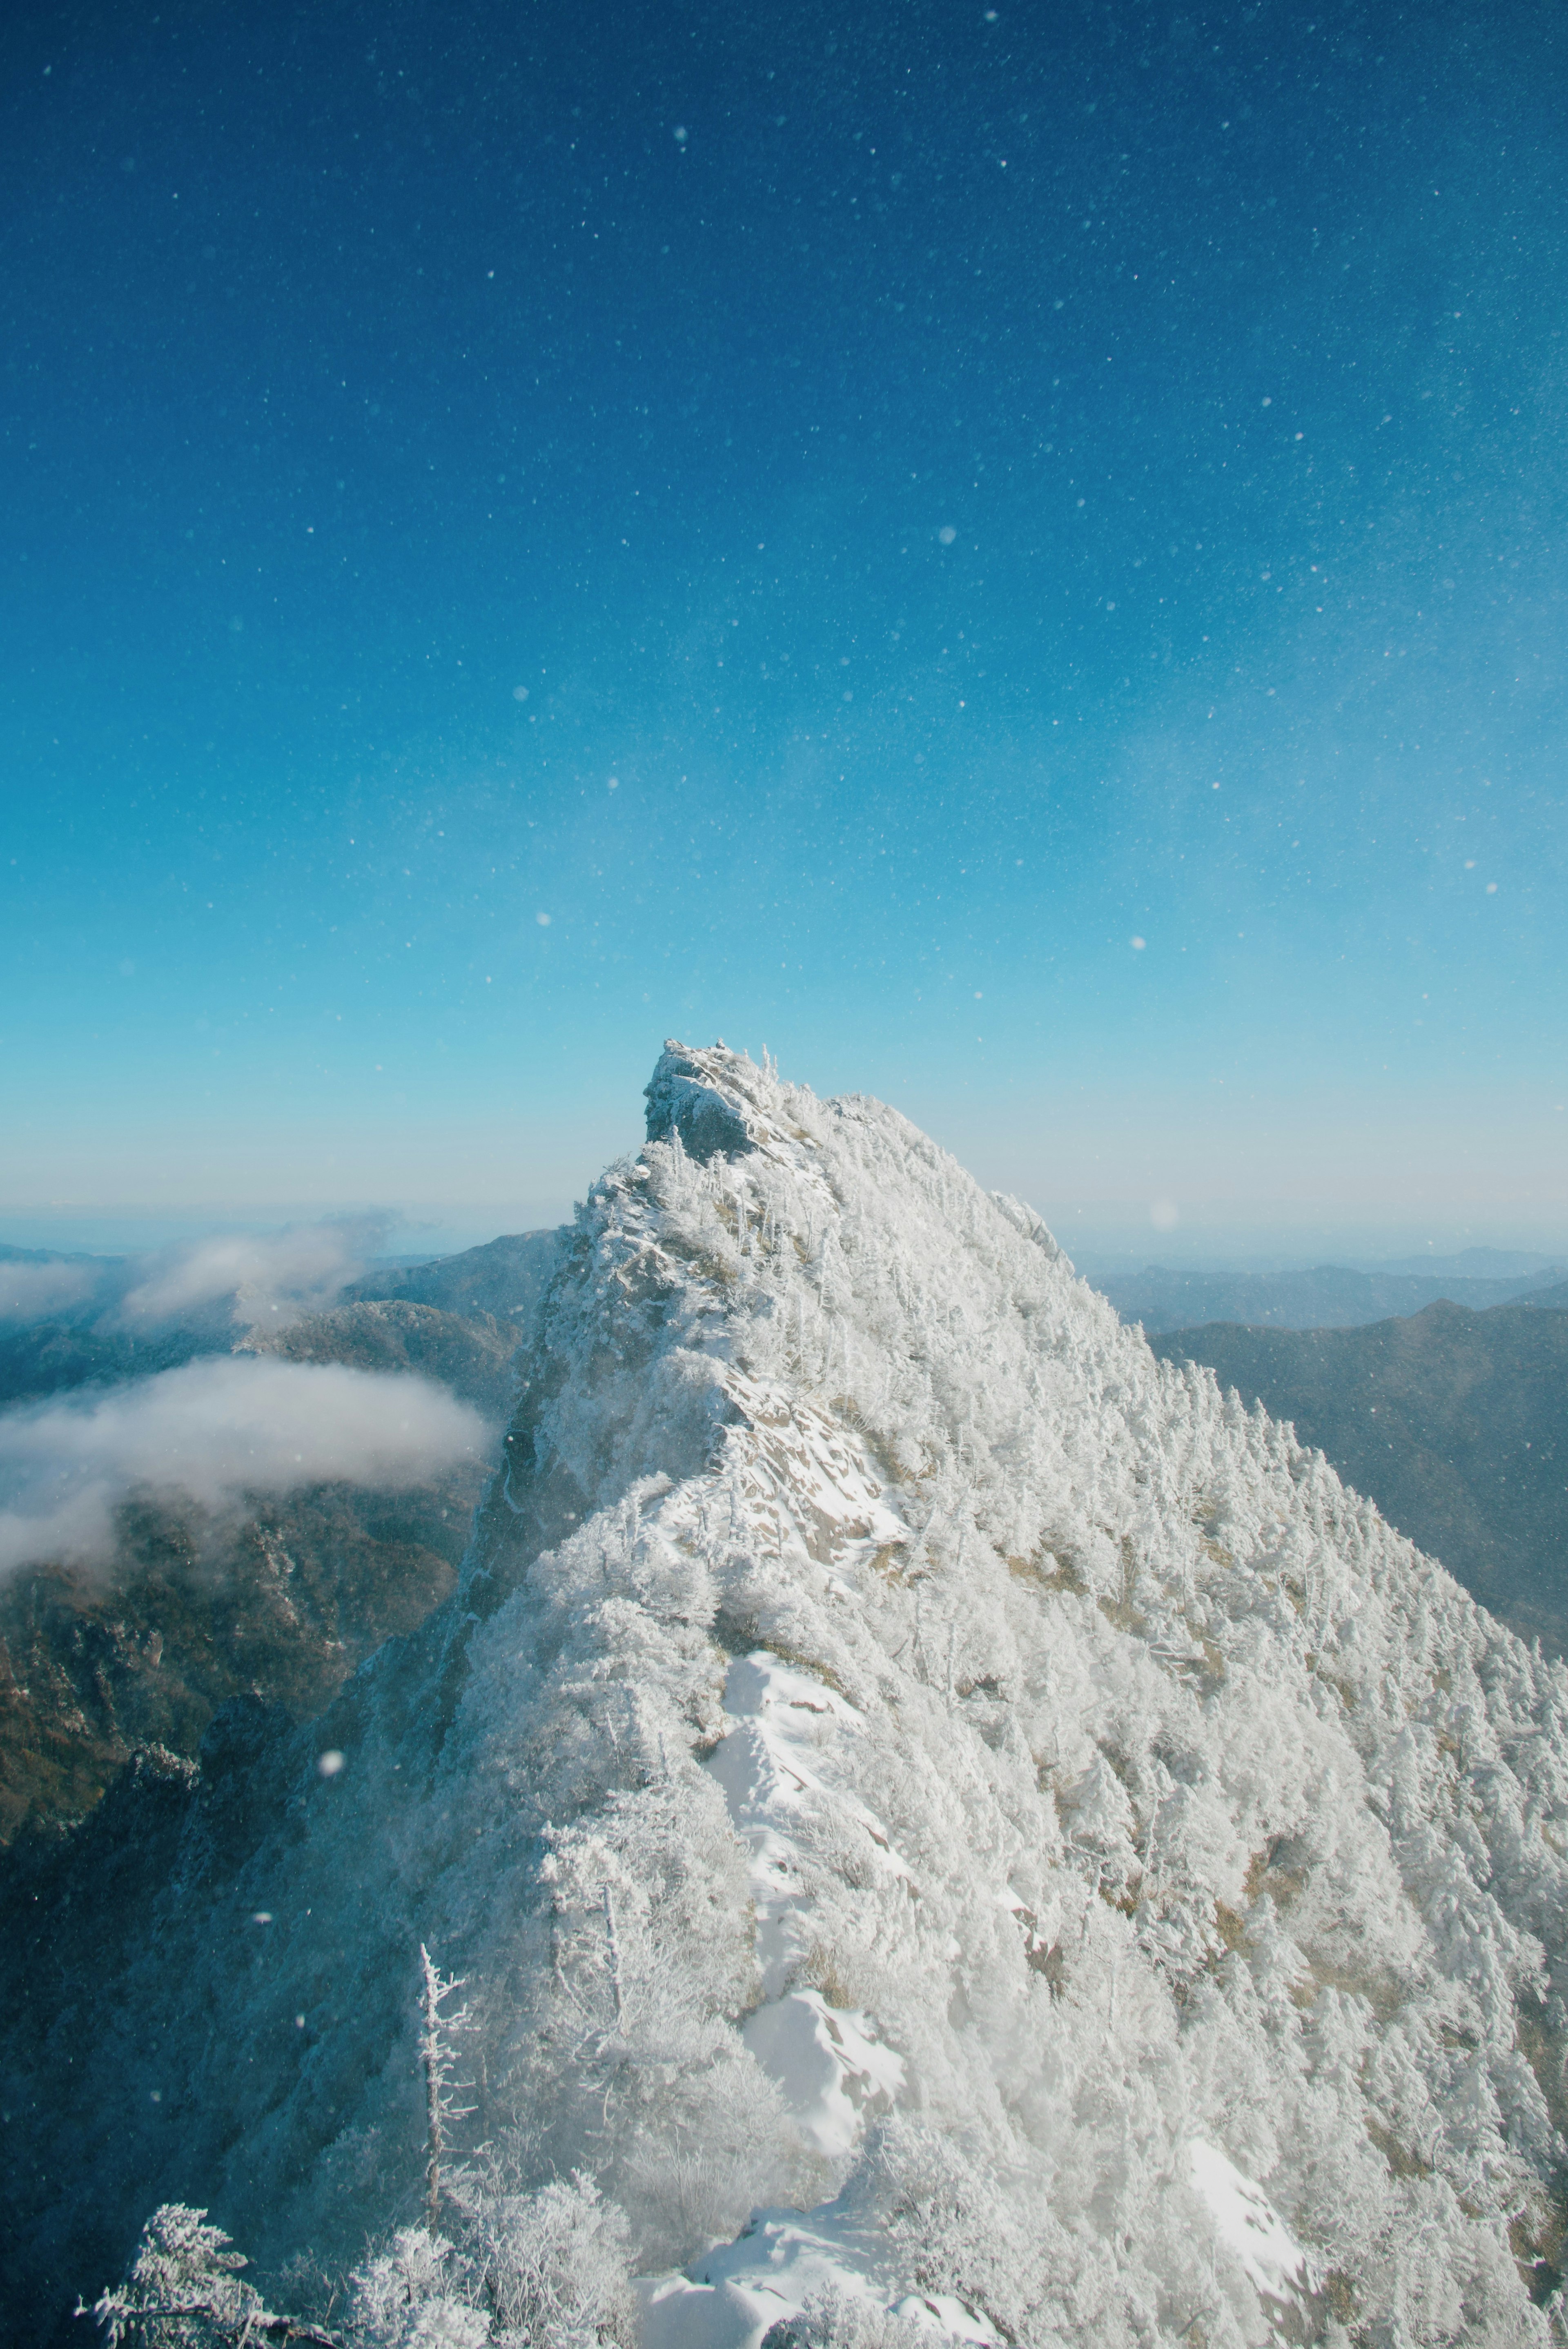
x=944, y=1820
x=1455, y=1423
x=277, y=1598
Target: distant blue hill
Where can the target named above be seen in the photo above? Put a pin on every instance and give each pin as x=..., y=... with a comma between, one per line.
x=1328, y=1297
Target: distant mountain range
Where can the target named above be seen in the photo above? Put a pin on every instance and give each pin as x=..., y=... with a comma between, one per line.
x=1327, y=1297
x=505, y=1277
x=1455, y=1422
x=61, y=1325
x=1470, y=1263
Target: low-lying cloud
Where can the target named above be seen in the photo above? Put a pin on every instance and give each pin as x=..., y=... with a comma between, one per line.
x=29, y=1292
x=217, y=1430
x=272, y=1276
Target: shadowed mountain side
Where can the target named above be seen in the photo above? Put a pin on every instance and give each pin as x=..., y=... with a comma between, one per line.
x=470, y=1353
x=506, y=1276
x=1327, y=1297
x=280, y=1607
x=49, y=1358
x=1455, y=1423
x=279, y=1603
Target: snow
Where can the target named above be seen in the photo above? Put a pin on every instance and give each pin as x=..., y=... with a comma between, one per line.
x=1247, y=2223
x=930, y=1802
x=773, y=1768
x=830, y=2064
x=780, y=2263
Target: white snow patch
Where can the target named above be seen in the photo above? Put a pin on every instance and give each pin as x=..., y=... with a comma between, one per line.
x=773, y=1766
x=830, y=2064
x=782, y=2261
x=1248, y=2224
x=806, y=1478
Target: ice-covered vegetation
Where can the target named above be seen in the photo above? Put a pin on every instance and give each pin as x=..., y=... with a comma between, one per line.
x=948, y=1825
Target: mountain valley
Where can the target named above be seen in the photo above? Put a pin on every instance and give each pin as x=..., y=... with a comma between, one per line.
x=277, y=1600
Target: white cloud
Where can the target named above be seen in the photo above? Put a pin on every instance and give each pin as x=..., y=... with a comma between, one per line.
x=29, y=1291
x=271, y=1276
x=216, y=1429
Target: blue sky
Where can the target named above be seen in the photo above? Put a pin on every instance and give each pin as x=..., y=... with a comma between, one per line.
x=527, y=531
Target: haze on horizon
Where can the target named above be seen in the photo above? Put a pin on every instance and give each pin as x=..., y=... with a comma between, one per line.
x=1017, y=564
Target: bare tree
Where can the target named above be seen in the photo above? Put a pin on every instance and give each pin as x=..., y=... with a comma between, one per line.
x=437, y=2060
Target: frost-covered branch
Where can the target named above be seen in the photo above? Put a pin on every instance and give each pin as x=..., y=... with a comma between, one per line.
x=437, y=2058
x=184, y=2290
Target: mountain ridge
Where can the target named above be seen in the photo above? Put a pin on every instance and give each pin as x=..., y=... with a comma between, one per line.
x=1326, y=1295
x=901, y=1759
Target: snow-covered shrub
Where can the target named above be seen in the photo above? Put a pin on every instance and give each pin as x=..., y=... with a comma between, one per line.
x=418, y=2293
x=552, y=2267
x=839, y=2320
x=957, y=2224
x=184, y=2289
x=541, y=2271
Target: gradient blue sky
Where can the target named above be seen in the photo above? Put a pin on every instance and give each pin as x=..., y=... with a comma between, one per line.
x=961, y=491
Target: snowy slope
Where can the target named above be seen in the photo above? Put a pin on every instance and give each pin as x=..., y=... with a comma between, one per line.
x=910, y=1765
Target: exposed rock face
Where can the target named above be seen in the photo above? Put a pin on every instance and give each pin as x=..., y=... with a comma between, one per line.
x=690, y=1096
x=900, y=1759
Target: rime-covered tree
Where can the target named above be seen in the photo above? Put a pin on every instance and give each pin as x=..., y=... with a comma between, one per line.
x=184, y=2290
x=439, y=2034
x=542, y=2270
x=419, y=2293
x=552, y=2267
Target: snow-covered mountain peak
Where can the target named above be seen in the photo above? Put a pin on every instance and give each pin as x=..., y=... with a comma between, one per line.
x=1060, y=1706
x=930, y=1802
x=715, y=1100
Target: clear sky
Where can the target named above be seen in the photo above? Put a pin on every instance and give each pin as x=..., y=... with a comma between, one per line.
x=1014, y=556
